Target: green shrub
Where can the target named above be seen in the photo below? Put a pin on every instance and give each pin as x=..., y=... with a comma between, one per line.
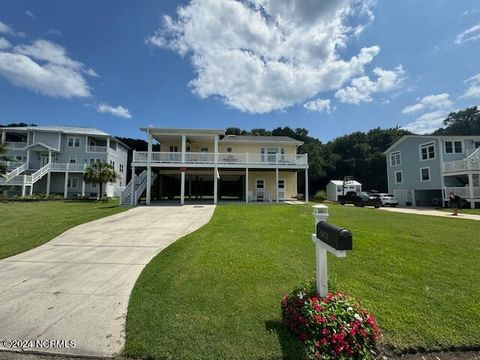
x=333, y=327
x=321, y=196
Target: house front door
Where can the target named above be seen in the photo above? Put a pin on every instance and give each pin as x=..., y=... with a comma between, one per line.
x=43, y=160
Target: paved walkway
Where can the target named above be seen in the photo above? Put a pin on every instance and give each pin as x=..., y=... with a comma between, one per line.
x=431, y=212
x=77, y=286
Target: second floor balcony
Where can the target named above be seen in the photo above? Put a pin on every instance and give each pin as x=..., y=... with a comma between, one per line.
x=221, y=159
x=471, y=163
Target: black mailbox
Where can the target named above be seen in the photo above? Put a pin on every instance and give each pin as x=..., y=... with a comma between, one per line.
x=336, y=237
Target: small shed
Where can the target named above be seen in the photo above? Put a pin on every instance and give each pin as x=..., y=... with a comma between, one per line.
x=334, y=188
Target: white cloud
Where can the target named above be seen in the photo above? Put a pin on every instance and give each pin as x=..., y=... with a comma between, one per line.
x=119, y=111
x=471, y=34
x=263, y=55
x=319, y=105
x=473, y=90
x=4, y=44
x=29, y=14
x=430, y=102
x=434, y=109
x=361, y=89
x=5, y=29
x=46, y=68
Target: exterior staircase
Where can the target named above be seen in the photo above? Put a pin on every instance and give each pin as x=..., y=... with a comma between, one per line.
x=134, y=189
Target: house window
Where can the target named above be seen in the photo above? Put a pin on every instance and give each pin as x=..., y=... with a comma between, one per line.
x=425, y=174
x=229, y=149
x=398, y=177
x=93, y=161
x=427, y=151
x=112, y=163
x=18, y=157
x=73, y=142
x=453, y=147
x=203, y=149
x=476, y=144
x=72, y=159
x=121, y=168
x=173, y=148
x=72, y=183
x=395, y=159
x=281, y=184
x=260, y=184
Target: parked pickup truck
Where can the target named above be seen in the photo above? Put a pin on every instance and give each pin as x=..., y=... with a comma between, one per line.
x=359, y=198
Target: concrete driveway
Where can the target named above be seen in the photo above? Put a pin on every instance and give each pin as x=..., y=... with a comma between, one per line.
x=77, y=286
x=432, y=212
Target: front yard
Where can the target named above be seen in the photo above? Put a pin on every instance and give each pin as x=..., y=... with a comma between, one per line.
x=25, y=225
x=215, y=293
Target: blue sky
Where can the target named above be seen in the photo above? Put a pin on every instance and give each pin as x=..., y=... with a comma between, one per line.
x=333, y=69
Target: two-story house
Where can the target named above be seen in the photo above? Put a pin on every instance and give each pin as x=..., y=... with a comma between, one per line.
x=52, y=159
x=203, y=164
x=424, y=170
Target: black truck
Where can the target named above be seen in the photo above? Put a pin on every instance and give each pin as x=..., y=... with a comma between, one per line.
x=360, y=198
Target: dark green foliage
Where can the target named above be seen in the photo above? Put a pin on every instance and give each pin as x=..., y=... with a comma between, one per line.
x=462, y=122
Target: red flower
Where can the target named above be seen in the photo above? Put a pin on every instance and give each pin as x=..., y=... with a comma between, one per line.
x=324, y=341
x=324, y=331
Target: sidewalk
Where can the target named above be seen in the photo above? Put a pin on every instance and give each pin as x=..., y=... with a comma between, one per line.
x=431, y=212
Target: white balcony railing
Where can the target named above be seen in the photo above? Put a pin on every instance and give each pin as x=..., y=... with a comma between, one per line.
x=67, y=167
x=470, y=163
x=97, y=149
x=464, y=192
x=16, y=145
x=221, y=158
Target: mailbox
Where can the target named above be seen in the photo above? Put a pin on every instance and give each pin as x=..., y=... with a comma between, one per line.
x=334, y=236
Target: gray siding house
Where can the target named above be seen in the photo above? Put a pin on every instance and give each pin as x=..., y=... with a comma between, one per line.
x=424, y=170
x=52, y=159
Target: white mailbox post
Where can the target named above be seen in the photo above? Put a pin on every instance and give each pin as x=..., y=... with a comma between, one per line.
x=332, y=239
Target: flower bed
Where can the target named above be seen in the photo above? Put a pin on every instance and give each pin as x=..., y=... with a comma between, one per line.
x=333, y=327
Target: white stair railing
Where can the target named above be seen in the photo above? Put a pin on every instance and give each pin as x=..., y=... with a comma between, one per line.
x=134, y=189
x=37, y=175
x=16, y=171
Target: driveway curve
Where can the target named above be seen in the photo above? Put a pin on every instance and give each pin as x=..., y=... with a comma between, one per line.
x=77, y=286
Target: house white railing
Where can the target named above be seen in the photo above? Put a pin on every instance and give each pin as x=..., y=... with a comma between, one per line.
x=470, y=163
x=68, y=167
x=16, y=144
x=463, y=192
x=221, y=158
x=134, y=189
x=97, y=149
x=17, y=171
x=37, y=175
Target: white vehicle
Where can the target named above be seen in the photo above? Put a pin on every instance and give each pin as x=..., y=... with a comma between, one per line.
x=388, y=199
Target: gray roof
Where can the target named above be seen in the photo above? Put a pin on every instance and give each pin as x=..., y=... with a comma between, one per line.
x=253, y=138
x=63, y=129
x=77, y=130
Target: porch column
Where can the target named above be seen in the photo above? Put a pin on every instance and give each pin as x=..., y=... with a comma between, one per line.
x=246, y=185
x=83, y=187
x=28, y=157
x=184, y=148
x=215, y=148
x=23, y=186
x=215, y=185
x=65, y=191
x=182, y=188
x=149, y=169
x=49, y=174
x=276, y=183
x=31, y=190
x=134, y=180
x=306, y=185
x=470, y=185
x=4, y=136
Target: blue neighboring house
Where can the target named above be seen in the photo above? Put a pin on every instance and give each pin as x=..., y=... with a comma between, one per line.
x=423, y=170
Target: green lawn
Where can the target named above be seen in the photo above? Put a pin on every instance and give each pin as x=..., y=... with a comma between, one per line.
x=25, y=225
x=215, y=293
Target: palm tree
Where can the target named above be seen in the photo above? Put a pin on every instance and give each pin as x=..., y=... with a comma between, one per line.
x=3, y=159
x=100, y=173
